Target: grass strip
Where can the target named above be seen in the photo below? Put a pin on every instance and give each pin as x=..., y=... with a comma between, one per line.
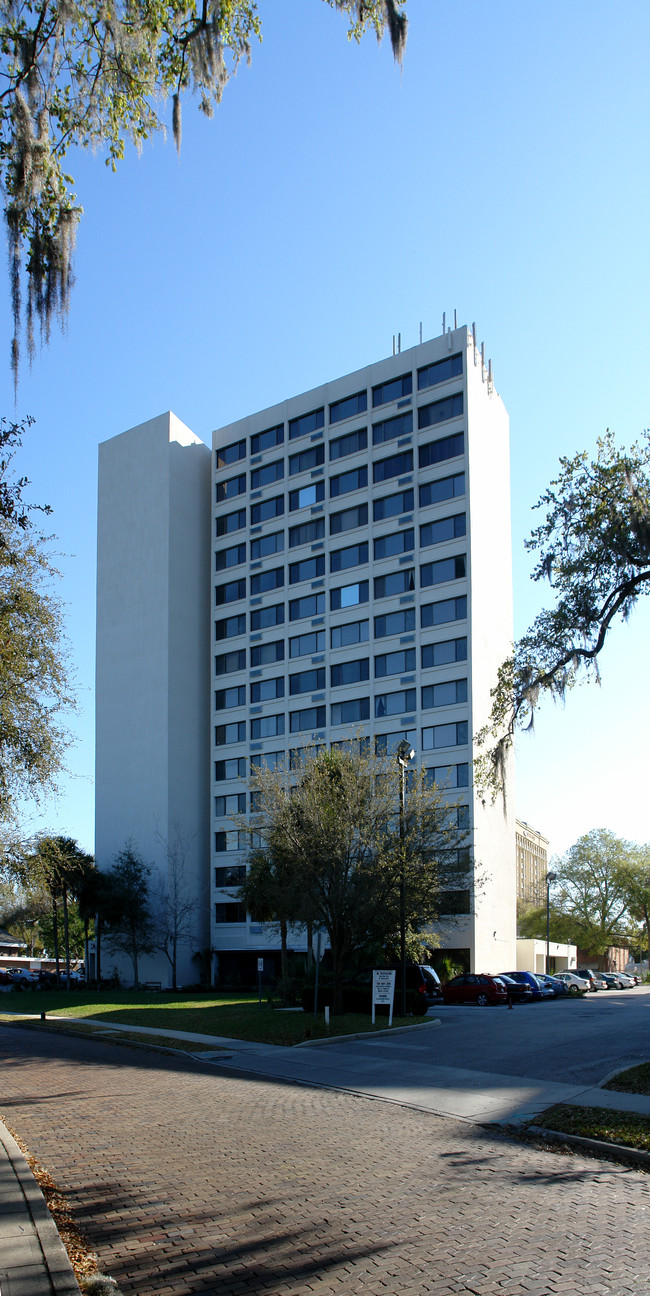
x=108, y=1035
x=625, y=1128
x=635, y=1080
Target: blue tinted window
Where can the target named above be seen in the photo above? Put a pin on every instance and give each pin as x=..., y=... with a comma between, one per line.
x=230, y=627
x=268, y=544
x=352, y=556
x=229, y=522
x=312, y=642
x=306, y=495
x=393, y=505
x=402, y=425
x=224, y=699
x=230, y=592
x=350, y=712
x=308, y=606
x=444, y=488
x=310, y=718
x=439, y=411
x=267, y=509
x=395, y=466
x=349, y=444
x=306, y=423
x=306, y=532
x=231, y=454
x=389, y=545
x=265, y=654
x=400, y=582
x=349, y=595
x=307, y=569
x=441, y=654
x=267, y=690
x=447, y=569
x=232, y=486
x=446, y=694
x=395, y=623
x=348, y=519
x=306, y=459
x=345, y=409
x=352, y=633
x=395, y=663
x=271, y=472
x=448, y=528
x=345, y=482
x=308, y=681
x=398, y=703
x=267, y=440
x=227, y=663
x=392, y=390
x=351, y=672
x=261, y=582
x=454, y=609
x=230, y=557
x=440, y=371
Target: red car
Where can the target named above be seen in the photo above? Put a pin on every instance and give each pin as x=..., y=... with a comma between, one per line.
x=475, y=988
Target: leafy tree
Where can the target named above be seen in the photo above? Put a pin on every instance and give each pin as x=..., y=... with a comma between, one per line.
x=593, y=548
x=34, y=680
x=133, y=929
x=59, y=866
x=592, y=892
x=173, y=904
x=77, y=933
x=94, y=75
x=638, y=891
x=331, y=843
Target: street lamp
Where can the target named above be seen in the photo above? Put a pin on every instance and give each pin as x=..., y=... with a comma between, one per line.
x=405, y=754
x=550, y=878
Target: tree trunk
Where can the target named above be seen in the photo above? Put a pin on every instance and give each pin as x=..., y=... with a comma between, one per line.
x=98, y=950
x=284, y=956
x=66, y=938
x=173, y=963
x=55, y=929
x=310, y=944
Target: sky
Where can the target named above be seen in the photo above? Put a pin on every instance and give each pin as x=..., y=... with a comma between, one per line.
x=335, y=200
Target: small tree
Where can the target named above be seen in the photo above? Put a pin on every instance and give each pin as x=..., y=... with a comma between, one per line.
x=591, y=902
x=132, y=930
x=60, y=866
x=173, y=905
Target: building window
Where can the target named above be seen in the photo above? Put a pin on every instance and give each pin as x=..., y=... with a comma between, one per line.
x=267, y=690
x=267, y=726
x=306, y=532
x=433, y=614
x=267, y=474
x=389, y=546
x=306, y=459
x=224, y=770
x=349, y=444
x=352, y=633
x=230, y=627
x=231, y=454
x=306, y=423
x=399, y=582
x=229, y=733
x=230, y=592
x=350, y=672
x=302, y=645
x=351, y=712
x=398, y=703
x=445, y=448
x=229, y=913
x=352, y=556
x=268, y=760
x=392, y=505
x=448, y=528
x=224, y=699
x=267, y=509
x=348, y=519
x=231, y=840
x=308, y=606
x=395, y=663
x=299, y=754
x=445, y=694
x=230, y=805
x=393, y=623
x=230, y=557
x=349, y=595
x=309, y=681
x=392, y=390
x=310, y=718
x=439, y=411
x=306, y=569
x=228, y=663
x=306, y=495
x=343, y=483
x=229, y=522
x=267, y=440
x=440, y=371
x=267, y=654
x=229, y=875
x=264, y=581
x=263, y=618
x=444, y=488
x=267, y=545
x=387, y=430
x=448, y=776
x=445, y=735
x=349, y=407
x=387, y=744
x=232, y=486
x=447, y=569
x=443, y=653
x=395, y=466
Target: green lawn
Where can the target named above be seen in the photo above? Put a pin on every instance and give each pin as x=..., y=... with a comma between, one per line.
x=234, y=1015
x=598, y=1123
x=635, y=1080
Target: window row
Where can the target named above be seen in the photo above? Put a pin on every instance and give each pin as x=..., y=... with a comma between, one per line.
x=446, y=776
x=344, y=596
x=446, y=693
x=355, y=711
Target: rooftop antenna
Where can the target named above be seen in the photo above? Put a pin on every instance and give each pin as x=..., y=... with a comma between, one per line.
x=482, y=361
x=490, y=378
x=455, y=323
x=399, y=343
x=420, y=332
x=393, y=344
x=444, y=322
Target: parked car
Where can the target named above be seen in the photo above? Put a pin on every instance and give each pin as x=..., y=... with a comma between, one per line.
x=475, y=988
x=576, y=985
x=618, y=980
x=539, y=991
x=595, y=979
x=518, y=991
x=23, y=978
x=560, y=988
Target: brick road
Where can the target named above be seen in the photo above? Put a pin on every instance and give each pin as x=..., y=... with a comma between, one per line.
x=185, y=1182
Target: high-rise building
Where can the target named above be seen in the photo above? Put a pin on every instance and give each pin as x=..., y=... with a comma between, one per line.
x=532, y=864
x=361, y=581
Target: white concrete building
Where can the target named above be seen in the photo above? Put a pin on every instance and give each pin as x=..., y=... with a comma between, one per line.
x=361, y=578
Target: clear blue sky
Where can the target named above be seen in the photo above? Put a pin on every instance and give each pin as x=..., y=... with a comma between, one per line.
x=332, y=202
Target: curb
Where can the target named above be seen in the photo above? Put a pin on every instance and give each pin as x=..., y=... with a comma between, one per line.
x=55, y=1256
x=393, y=1030
x=615, y=1151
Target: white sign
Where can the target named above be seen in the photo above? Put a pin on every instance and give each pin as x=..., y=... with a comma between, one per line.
x=260, y=964
x=383, y=991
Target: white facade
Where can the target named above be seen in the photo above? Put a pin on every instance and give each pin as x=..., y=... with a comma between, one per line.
x=355, y=574
x=152, y=674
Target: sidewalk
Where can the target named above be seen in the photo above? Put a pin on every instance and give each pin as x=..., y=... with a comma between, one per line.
x=33, y=1259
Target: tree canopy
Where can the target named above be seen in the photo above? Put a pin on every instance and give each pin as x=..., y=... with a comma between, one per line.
x=593, y=548
x=327, y=849
x=98, y=75
x=35, y=687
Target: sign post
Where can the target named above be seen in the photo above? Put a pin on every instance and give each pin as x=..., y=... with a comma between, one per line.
x=383, y=991
x=260, y=969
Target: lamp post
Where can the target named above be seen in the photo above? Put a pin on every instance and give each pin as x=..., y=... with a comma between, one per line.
x=405, y=754
x=550, y=878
